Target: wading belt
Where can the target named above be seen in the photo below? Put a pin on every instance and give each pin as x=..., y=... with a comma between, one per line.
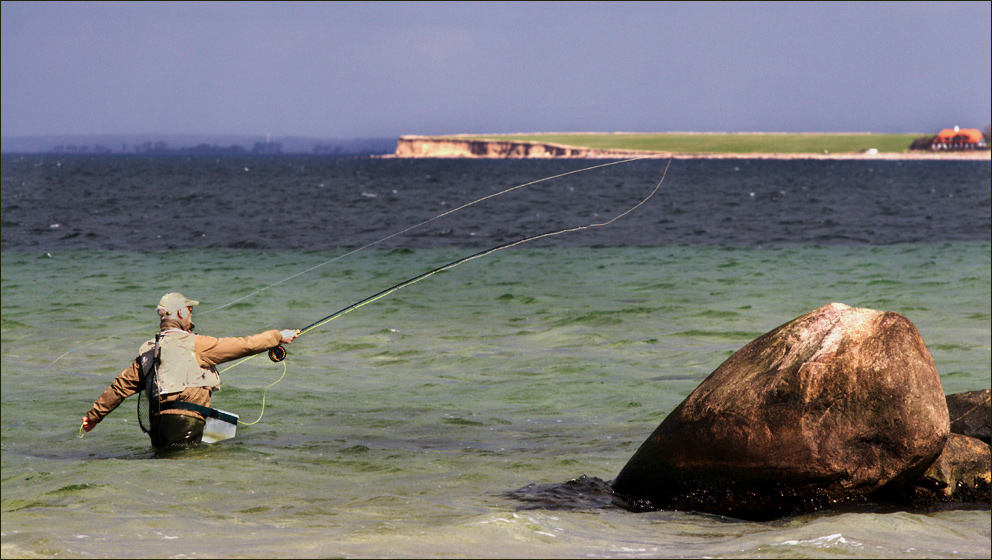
x=208, y=412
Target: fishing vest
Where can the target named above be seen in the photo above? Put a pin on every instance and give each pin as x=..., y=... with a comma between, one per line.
x=172, y=357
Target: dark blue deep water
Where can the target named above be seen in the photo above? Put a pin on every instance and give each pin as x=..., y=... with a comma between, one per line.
x=305, y=202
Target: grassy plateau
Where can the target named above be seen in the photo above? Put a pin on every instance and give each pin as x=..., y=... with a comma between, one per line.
x=711, y=143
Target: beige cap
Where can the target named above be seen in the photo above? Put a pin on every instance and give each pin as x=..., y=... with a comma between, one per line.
x=172, y=302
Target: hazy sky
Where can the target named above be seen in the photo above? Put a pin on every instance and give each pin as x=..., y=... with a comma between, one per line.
x=335, y=70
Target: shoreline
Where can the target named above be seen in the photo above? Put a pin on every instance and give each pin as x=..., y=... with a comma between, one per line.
x=463, y=148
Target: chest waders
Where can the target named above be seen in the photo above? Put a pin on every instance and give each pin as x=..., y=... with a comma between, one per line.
x=168, y=366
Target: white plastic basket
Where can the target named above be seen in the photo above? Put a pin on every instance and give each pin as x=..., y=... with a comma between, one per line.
x=220, y=428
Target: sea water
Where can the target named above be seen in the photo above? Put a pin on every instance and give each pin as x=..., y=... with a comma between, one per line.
x=412, y=426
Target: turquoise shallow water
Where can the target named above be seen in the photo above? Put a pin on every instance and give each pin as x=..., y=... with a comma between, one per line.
x=399, y=428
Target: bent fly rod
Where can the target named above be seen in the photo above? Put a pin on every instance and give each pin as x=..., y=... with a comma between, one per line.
x=279, y=353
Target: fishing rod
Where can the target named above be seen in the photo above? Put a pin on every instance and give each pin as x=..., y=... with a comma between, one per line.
x=279, y=353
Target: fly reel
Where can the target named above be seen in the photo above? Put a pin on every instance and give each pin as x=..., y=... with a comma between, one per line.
x=277, y=354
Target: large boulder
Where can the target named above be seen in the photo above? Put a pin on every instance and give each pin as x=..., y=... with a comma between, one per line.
x=836, y=406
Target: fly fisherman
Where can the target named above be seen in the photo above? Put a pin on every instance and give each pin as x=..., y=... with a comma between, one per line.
x=177, y=371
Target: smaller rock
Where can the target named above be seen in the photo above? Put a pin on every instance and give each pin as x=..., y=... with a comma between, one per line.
x=960, y=474
x=970, y=414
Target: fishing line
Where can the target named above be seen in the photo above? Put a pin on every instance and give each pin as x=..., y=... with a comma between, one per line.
x=463, y=260
x=388, y=237
x=265, y=392
x=425, y=222
x=280, y=354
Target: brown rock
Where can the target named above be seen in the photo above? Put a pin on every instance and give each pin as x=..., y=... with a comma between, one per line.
x=831, y=407
x=960, y=474
x=971, y=414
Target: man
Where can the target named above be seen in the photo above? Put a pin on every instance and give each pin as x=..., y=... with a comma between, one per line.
x=177, y=369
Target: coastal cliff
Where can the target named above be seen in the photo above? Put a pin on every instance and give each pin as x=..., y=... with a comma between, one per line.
x=454, y=147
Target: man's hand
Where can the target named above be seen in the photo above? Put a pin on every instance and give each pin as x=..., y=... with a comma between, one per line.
x=87, y=425
x=289, y=335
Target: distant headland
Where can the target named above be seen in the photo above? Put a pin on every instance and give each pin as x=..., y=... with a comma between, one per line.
x=683, y=145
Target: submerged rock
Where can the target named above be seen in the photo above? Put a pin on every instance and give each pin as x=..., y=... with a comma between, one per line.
x=581, y=493
x=835, y=406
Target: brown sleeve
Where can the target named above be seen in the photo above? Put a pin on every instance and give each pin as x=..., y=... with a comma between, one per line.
x=128, y=382
x=211, y=351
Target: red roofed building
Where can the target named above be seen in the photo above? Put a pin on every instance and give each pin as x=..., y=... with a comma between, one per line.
x=959, y=139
